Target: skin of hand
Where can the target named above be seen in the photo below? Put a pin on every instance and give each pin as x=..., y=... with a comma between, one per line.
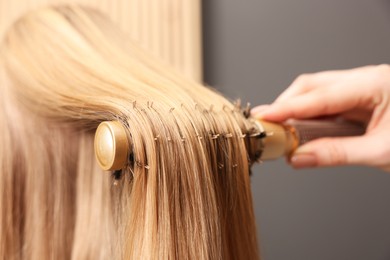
x=361, y=94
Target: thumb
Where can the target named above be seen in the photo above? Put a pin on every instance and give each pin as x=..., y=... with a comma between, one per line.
x=334, y=151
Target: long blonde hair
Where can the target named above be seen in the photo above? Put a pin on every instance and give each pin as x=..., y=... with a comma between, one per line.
x=185, y=193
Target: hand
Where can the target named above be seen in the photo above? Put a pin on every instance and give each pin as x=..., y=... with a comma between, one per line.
x=361, y=94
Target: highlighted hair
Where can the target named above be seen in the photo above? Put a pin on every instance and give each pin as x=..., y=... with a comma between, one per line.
x=185, y=193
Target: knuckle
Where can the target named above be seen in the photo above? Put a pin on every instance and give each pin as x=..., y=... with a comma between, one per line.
x=379, y=79
x=382, y=72
x=301, y=82
x=302, y=79
x=327, y=109
x=383, y=154
x=336, y=153
x=383, y=68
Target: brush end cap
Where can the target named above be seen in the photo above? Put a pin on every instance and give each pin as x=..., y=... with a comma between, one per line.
x=111, y=145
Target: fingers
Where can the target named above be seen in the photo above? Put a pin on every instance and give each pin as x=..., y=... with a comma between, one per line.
x=336, y=151
x=307, y=105
x=321, y=94
x=301, y=85
x=360, y=94
x=259, y=109
x=308, y=82
x=317, y=102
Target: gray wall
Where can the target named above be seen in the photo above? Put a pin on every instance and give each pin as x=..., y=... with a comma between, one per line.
x=253, y=50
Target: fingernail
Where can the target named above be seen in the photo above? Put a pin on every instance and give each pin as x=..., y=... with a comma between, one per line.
x=303, y=160
x=265, y=112
x=259, y=109
x=268, y=113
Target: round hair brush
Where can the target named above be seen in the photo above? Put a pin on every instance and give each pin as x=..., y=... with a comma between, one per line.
x=270, y=141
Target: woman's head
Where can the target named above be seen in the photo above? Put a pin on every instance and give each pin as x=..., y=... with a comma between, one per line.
x=184, y=193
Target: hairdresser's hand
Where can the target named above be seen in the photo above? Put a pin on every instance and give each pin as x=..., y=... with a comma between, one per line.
x=359, y=94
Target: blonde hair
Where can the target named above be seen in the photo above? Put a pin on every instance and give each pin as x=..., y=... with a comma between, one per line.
x=185, y=193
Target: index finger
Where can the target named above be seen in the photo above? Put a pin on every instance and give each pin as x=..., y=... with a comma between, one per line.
x=307, y=82
x=318, y=102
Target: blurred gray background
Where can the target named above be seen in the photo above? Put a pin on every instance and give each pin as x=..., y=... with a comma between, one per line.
x=253, y=50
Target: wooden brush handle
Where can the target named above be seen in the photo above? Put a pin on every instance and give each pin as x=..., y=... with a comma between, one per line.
x=308, y=130
x=282, y=139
